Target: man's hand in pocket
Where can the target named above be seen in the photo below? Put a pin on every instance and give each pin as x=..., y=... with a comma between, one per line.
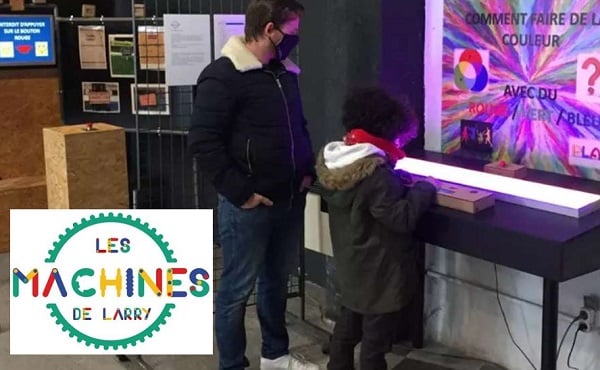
x=257, y=200
x=307, y=181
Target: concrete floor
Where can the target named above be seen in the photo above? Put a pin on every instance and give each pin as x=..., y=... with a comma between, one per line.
x=306, y=343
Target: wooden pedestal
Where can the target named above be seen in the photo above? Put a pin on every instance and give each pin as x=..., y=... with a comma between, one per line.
x=19, y=193
x=86, y=169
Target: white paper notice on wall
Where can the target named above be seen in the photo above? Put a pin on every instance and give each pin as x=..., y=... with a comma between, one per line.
x=187, y=47
x=584, y=152
x=227, y=26
x=588, y=78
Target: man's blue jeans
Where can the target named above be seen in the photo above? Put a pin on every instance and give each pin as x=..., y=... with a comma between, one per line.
x=263, y=244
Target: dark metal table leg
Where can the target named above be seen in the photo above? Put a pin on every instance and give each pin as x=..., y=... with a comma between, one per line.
x=302, y=274
x=550, y=325
x=418, y=324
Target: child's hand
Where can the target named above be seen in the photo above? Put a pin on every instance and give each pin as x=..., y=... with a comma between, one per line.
x=435, y=182
x=405, y=177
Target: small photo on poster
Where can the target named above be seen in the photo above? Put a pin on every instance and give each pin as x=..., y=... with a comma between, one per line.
x=476, y=136
x=122, y=57
x=101, y=97
x=152, y=99
x=151, y=45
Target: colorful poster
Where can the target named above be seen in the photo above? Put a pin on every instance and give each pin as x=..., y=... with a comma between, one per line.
x=521, y=83
x=152, y=99
x=101, y=97
x=27, y=41
x=92, y=47
x=121, y=50
x=151, y=45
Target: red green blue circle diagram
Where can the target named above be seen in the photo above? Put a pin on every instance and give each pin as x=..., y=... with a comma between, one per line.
x=470, y=73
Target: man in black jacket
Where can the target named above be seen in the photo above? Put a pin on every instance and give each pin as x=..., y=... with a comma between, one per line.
x=249, y=137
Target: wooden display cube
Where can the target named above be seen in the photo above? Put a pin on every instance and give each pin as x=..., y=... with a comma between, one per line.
x=86, y=167
x=506, y=169
x=463, y=198
x=19, y=193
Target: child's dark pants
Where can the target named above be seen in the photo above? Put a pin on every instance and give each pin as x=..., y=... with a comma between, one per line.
x=374, y=332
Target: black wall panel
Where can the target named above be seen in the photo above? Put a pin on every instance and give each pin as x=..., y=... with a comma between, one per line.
x=346, y=43
x=402, y=60
x=340, y=47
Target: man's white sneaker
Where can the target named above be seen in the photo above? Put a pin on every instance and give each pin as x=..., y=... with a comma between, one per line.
x=281, y=363
x=302, y=364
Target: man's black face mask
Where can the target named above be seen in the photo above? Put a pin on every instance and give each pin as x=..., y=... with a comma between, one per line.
x=286, y=45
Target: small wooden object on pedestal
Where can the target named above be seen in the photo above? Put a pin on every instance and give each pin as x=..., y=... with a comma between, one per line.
x=506, y=169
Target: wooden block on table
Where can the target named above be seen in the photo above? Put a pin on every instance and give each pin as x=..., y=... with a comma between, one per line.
x=17, y=5
x=19, y=193
x=88, y=10
x=139, y=10
x=463, y=198
x=506, y=169
x=86, y=169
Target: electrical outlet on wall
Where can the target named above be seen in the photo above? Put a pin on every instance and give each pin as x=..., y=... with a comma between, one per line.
x=587, y=321
x=591, y=305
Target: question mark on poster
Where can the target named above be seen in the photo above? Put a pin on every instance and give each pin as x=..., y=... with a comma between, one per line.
x=594, y=77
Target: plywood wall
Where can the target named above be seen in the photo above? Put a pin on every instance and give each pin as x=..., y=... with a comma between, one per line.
x=29, y=101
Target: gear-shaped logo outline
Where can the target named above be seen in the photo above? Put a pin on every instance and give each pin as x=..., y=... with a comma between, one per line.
x=53, y=255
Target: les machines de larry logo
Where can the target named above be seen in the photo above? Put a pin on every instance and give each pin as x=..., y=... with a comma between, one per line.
x=102, y=282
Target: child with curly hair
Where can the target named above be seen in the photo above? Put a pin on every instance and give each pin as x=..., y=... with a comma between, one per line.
x=373, y=211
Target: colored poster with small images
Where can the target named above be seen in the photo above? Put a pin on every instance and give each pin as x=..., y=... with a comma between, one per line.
x=521, y=83
x=122, y=56
x=101, y=97
x=150, y=99
x=151, y=45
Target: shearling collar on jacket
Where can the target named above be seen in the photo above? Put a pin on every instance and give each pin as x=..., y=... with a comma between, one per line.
x=346, y=178
x=243, y=59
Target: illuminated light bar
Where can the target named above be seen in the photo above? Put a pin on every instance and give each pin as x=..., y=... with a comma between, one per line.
x=548, y=198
